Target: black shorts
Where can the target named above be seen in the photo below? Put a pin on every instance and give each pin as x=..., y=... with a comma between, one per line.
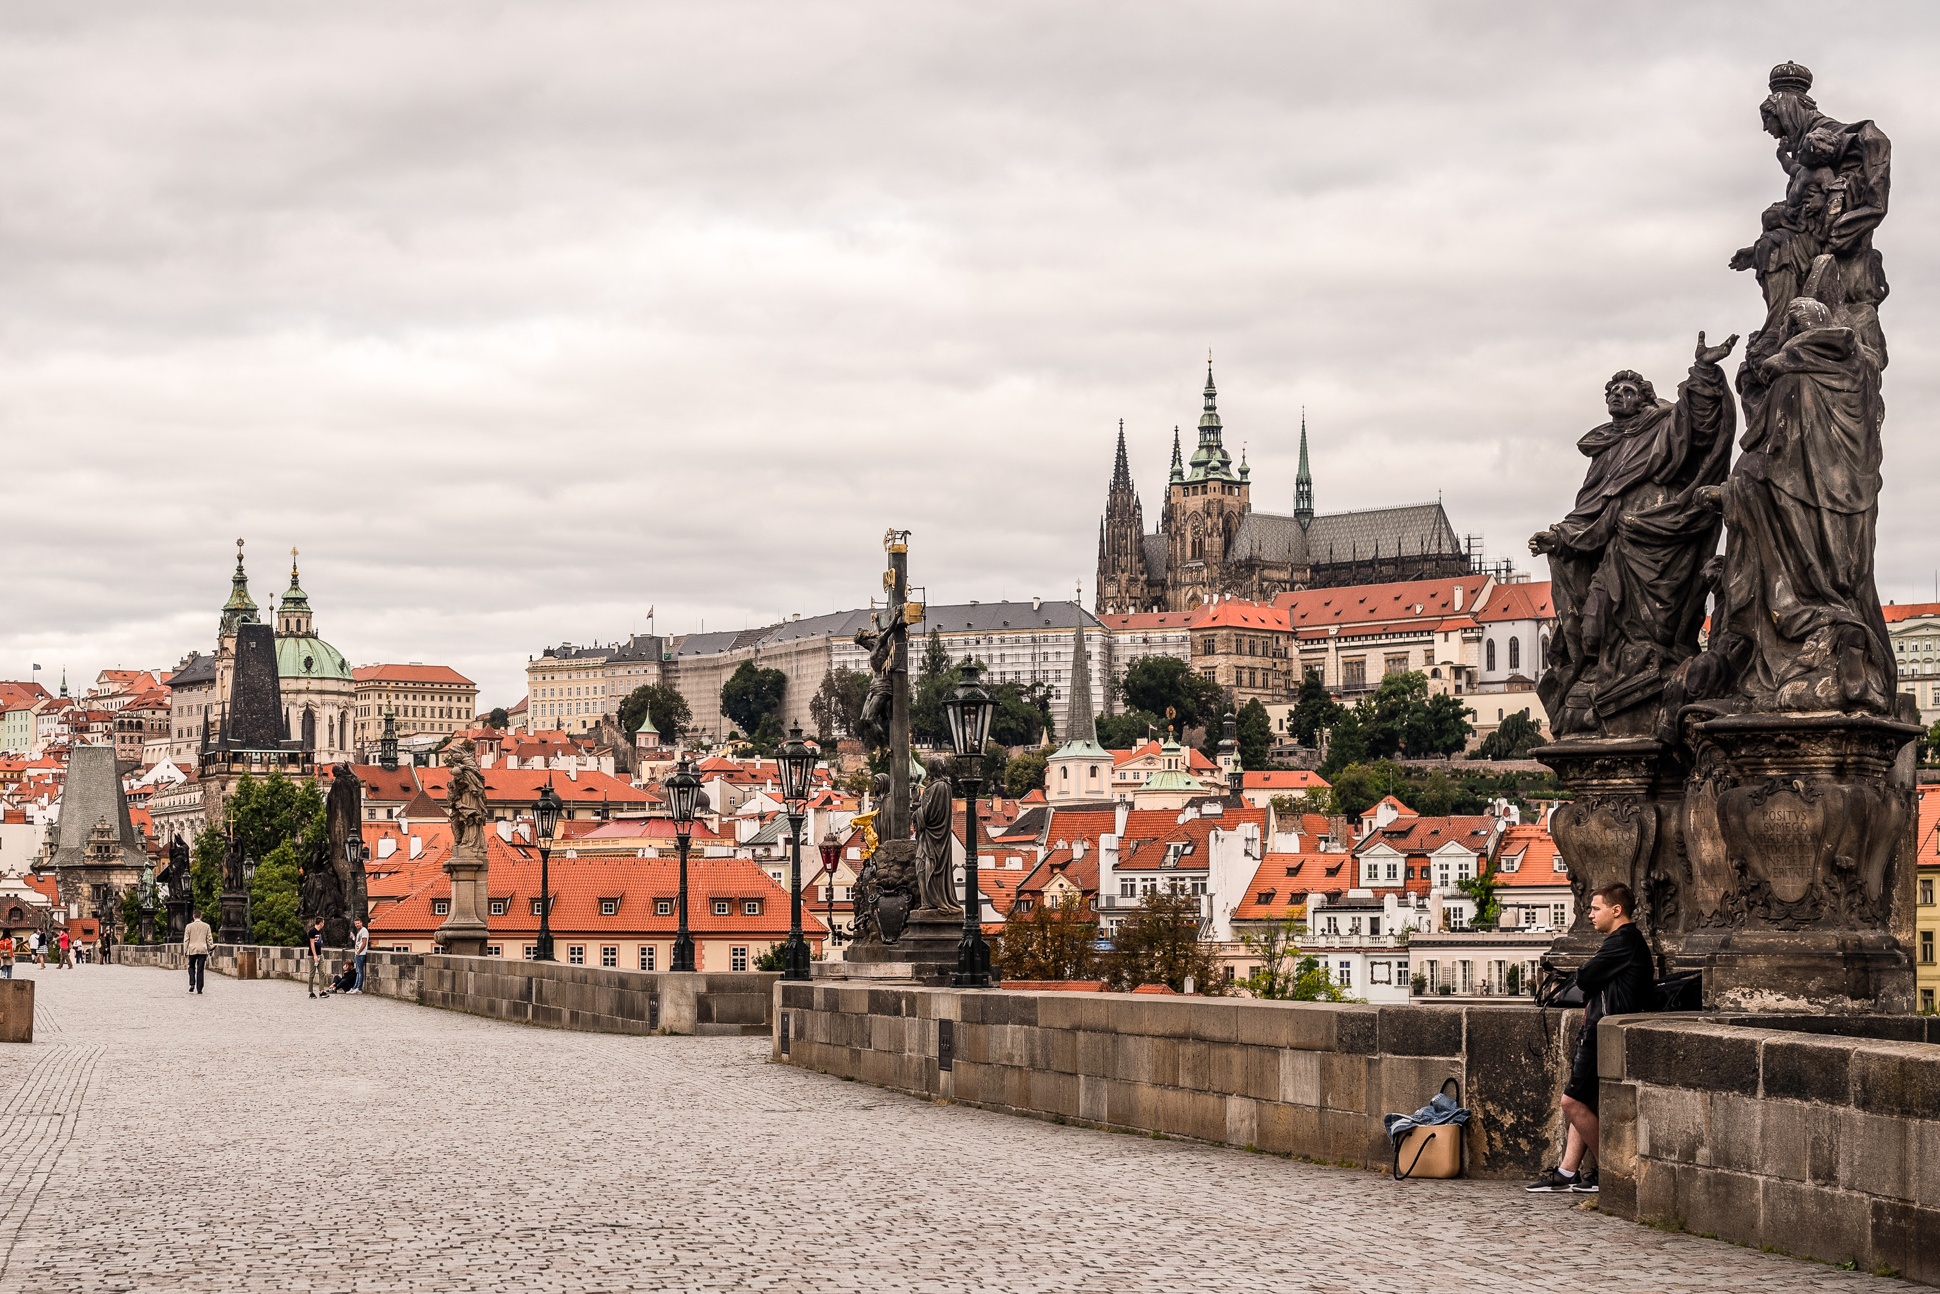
x=1584, y=1084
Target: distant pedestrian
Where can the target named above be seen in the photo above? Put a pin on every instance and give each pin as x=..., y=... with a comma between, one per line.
x=316, y=956
x=105, y=947
x=197, y=940
x=6, y=956
x=1618, y=980
x=33, y=946
x=67, y=952
x=360, y=948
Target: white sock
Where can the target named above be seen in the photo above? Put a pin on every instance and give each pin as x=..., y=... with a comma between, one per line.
x=1564, y=1171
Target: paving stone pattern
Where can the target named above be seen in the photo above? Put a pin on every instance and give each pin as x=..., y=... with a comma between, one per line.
x=253, y=1139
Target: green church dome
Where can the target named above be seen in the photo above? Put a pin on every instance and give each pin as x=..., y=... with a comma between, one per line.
x=307, y=656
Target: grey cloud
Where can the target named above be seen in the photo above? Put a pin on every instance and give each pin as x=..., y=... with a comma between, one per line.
x=519, y=319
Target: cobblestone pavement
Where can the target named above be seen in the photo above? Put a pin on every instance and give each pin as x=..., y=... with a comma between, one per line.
x=252, y=1139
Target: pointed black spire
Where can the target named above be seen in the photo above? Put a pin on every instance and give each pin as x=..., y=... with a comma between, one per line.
x=1303, y=481
x=1121, y=471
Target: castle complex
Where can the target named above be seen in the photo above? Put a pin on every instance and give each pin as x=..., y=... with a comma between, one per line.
x=1211, y=542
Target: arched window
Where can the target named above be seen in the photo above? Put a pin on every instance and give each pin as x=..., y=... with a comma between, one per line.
x=1198, y=547
x=1543, y=662
x=1488, y=656
x=1515, y=653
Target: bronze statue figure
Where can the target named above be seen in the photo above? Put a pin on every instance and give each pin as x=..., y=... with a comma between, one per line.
x=1628, y=565
x=935, y=880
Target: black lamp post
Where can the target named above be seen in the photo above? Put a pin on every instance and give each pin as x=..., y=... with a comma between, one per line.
x=249, y=885
x=683, y=797
x=831, y=849
x=797, y=760
x=545, y=820
x=969, y=714
x=1229, y=750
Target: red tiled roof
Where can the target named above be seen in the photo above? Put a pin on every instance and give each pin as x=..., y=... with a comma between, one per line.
x=1532, y=841
x=1363, y=604
x=1240, y=614
x=409, y=674
x=1134, y=620
x=1426, y=835
x=1898, y=611
x=1295, y=779
x=1282, y=883
x=1527, y=601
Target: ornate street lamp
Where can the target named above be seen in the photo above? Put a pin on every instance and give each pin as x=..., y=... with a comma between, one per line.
x=797, y=761
x=969, y=714
x=1229, y=754
x=683, y=797
x=831, y=849
x=545, y=819
x=249, y=886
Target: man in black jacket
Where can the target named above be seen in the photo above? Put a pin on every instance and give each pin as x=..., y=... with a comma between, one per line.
x=1619, y=980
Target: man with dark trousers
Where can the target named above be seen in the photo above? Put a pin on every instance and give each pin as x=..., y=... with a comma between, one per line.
x=316, y=957
x=197, y=940
x=1619, y=980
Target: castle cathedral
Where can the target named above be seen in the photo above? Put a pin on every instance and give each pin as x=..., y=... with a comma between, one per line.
x=1211, y=542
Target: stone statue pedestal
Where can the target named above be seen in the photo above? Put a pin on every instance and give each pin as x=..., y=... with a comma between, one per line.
x=178, y=918
x=1799, y=833
x=928, y=945
x=235, y=918
x=463, y=932
x=1620, y=828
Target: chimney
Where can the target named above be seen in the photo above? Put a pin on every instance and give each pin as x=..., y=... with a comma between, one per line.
x=417, y=846
x=1458, y=597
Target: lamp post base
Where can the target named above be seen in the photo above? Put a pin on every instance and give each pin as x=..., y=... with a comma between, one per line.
x=683, y=959
x=795, y=959
x=973, y=962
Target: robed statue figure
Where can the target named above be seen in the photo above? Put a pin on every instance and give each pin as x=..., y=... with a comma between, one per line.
x=1628, y=566
x=935, y=881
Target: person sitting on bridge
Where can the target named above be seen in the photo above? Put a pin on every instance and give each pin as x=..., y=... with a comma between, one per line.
x=1618, y=980
x=345, y=981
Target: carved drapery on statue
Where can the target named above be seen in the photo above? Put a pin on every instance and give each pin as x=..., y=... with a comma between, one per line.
x=1765, y=818
x=1627, y=566
x=935, y=883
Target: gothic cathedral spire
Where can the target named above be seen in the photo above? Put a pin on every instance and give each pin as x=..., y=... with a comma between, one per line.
x=1121, y=541
x=1303, y=483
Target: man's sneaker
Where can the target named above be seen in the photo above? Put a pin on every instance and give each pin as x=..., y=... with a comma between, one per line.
x=1585, y=1183
x=1552, y=1182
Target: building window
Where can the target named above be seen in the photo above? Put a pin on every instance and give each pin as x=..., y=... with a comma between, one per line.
x=1926, y=948
x=751, y=907
x=1926, y=892
x=1558, y=916
x=1127, y=888
x=1344, y=974
x=440, y=907
x=1488, y=656
x=610, y=956
x=663, y=907
x=1926, y=1000
x=723, y=907
x=531, y=951
x=576, y=954
x=498, y=907
x=1353, y=673
x=647, y=958
x=1515, y=652
x=609, y=907
x=738, y=958
x=537, y=906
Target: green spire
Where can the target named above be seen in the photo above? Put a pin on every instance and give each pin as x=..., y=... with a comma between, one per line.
x=1178, y=463
x=1211, y=462
x=240, y=609
x=295, y=593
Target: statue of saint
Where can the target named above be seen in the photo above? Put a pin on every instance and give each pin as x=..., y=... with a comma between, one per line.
x=465, y=800
x=1798, y=625
x=1628, y=566
x=935, y=883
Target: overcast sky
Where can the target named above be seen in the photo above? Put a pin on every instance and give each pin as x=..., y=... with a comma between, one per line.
x=520, y=318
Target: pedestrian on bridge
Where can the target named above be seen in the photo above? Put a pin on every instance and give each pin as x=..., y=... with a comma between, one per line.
x=316, y=957
x=6, y=956
x=360, y=949
x=197, y=940
x=67, y=952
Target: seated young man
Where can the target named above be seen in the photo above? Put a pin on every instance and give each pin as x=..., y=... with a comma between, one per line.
x=345, y=981
x=1619, y=980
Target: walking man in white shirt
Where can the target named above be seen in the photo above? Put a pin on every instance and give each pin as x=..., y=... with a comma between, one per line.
x=360, y=948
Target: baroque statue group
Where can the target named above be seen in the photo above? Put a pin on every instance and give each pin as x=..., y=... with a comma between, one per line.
x=1730, y=722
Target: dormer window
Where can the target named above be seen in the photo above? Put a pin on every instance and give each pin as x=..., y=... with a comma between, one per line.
x=498, y=907
x=609, y=907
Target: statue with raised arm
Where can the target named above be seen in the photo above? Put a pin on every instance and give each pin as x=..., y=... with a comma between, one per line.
x=1629, y=566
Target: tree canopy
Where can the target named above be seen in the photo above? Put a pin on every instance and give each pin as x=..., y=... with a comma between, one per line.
x=1156, y=684
x=1513, y=738
x=1132, y=728
x=276, y=822
x=1314, y=709
x=1057, y=941
x=752, y=697
x=836, y=709
x=1398, y=717
x=1255, y=733
x=1160, y=943
x=498, y=718
x=661, y=705
x=1284, y=973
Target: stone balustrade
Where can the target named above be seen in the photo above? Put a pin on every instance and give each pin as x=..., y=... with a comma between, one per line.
x=1297, y=1078
x=1802, y=1133
x=589, y=998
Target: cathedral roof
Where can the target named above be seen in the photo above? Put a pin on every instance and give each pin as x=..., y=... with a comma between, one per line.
x=1158, y=555
x=1410, y=531
x=1264, y=537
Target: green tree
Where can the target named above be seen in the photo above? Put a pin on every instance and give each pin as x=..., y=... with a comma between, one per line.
x=263, y=815
x=1347, y=742
x=1161, y=944
x=498, y=718
x=836, y=709
x=1359, y=787
x=661, y=705
x=274, y=897
x=1057, y=941
x=1160, y=683
x=1440, y=727
x=205, y=873
x=1017, y=718
x=1132, y=728
x=1285, y=974
x=1025, y=774
x=1314, y=710
x=131, y=915
x=936, y=679
x=751, y=695
x=1513, y=738
x=1481, y=890
x=1255, y=736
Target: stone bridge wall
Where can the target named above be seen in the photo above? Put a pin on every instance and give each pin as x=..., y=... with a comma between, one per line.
x=589, y=998
x=1779, y=1131
x=1298, y=1078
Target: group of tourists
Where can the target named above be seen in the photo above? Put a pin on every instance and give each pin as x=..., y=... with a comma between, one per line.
x=198, y=940
x=36, y=946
